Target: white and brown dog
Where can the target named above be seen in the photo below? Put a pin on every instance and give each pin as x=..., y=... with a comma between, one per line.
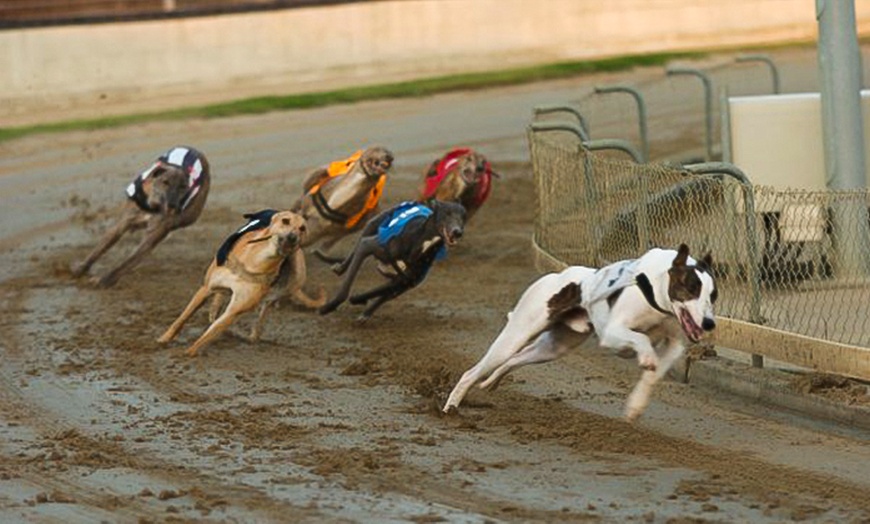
x=261, y=255
x=634, y=306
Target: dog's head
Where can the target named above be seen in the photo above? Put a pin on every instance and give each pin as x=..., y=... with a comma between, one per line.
x=166, y=187
x=376, y=161
x=287, y=229
x=449, y=220
x=692, y=292
x=472, y=168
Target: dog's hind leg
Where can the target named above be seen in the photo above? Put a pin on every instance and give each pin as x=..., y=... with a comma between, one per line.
x=243, y=300
x=218, y=300
x=529, y=318
x=549, y=345
x=195, y=303
x=153, y=236
x=109, y=239
x=521, y=327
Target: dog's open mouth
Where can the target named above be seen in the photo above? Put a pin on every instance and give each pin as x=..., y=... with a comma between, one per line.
x=692, y=330
x=451, y=237
x=288, y=243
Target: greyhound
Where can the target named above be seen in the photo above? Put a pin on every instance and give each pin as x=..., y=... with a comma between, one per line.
x=169, y=195
x=247, y=265
x=406, y=240
x=632, y=305
x=462, y=175
x=338, y=199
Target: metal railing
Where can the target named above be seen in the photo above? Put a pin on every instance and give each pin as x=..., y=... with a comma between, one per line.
x=785, y=293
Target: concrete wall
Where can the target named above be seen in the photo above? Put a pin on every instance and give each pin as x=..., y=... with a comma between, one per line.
x=294, y=50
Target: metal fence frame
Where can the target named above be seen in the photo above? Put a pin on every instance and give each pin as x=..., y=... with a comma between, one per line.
x=747, y=334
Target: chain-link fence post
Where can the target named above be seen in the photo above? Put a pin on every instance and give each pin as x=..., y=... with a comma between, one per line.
x=708, y=102
x=751, y=236
x=589, y=193
x=581, y=120
x=641, y=113
x=774, y=71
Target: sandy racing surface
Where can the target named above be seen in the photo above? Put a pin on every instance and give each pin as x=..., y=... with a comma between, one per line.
x=329, y=420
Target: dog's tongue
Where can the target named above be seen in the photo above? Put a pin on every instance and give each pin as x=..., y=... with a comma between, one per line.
x=692, y=330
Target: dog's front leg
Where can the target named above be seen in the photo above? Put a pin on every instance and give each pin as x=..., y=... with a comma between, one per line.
x=155, y=233
x=365, y=247
x=640, y=396
x=198, y=299
x=617, y=337
x=380, y=300
x=385, y=289
x=109, y=239
x=256, y=330
x=297, y=280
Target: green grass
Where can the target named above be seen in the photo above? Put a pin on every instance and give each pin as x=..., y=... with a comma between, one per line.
x=414, y=88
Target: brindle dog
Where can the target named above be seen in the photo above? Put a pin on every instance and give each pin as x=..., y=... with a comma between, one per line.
x=167, y=196
x=336, y=206
x=463, y=176
x=406, y=240
x=247, y=266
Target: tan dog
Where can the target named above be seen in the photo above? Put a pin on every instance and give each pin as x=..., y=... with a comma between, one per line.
x=463, y=176
x=250, y=263
x=340, y=198
x=167, y=196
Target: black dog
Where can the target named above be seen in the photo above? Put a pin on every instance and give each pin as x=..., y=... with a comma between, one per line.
x=407, y=240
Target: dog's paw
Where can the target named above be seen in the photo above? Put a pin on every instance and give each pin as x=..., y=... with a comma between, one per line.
x=362, y=319
x=77, y=270
x=648, y=362
x=632, y=414
x=357, y=301
x=103, y=282
x=165, y=339
x=450, y=410
x=320, y=299
x=327, y=308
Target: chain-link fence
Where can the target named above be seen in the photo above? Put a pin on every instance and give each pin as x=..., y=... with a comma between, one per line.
x=796, y=261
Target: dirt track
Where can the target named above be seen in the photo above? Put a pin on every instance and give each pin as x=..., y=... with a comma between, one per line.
x=328, y=420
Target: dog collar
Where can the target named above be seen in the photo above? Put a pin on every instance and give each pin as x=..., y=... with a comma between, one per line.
x=649, y=294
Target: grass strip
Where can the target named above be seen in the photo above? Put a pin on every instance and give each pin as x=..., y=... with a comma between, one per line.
x=412, y=88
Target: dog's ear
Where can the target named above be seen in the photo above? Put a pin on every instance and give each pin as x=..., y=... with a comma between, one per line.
x=707, y=261
x=682, y=256
x=158, y=171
